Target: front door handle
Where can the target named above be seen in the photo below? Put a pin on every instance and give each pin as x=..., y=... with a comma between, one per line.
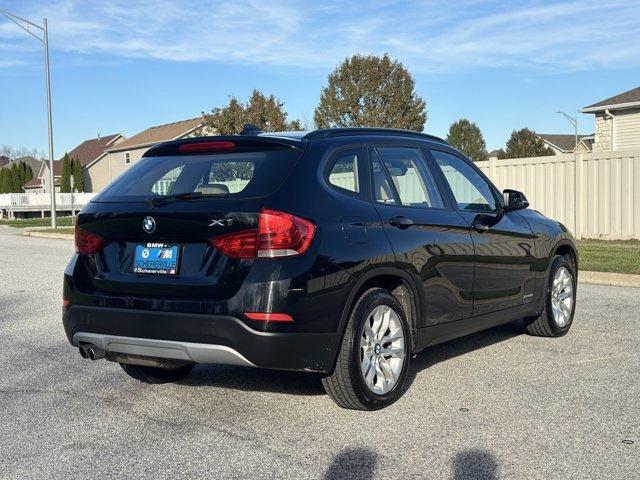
x=479, y=226
x=401, y=222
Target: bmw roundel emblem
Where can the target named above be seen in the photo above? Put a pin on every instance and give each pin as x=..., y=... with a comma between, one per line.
x=149, y=224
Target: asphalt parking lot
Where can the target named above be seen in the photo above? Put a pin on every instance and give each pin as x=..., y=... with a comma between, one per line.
x=499, y=404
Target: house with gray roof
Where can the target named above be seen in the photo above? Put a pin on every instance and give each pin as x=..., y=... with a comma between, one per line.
x=566, y=143
x=617, y=121
x=87, y=153
x=120, y=157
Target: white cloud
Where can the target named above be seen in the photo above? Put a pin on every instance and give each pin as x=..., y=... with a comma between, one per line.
x=432, y=36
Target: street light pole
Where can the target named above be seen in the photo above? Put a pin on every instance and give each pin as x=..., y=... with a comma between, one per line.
x=574, y=122
x=49, y=124
x=25, y=24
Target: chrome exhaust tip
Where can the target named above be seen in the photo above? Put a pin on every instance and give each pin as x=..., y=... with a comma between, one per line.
x=83, y=351
x=95, y=353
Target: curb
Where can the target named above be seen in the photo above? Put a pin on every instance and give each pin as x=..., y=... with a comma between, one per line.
x=608, y=278
x=60, y=236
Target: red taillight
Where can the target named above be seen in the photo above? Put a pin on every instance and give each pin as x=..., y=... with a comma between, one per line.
x=203, y=147
x=88, y=242
x=269, y=317
x=279, y=234
x=237, y=245
x=282, y=234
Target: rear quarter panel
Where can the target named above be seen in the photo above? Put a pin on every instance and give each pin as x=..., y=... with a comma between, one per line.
x=349, y=238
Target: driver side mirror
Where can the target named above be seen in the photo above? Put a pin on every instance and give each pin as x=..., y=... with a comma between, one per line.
x=514, y=200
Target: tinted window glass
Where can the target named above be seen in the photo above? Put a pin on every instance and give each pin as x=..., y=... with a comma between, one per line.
x=344, y=170
x=164, y=186
x=470, y=190
x=412, y=181
x=382, y=190
x=239, y=174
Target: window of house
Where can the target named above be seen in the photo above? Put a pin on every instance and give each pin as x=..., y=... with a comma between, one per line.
x=127, y=158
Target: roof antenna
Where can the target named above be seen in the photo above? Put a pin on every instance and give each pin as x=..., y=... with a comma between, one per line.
x=250, y=129
x=98, y=135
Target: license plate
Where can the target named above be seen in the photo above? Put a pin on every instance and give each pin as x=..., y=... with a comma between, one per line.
x=156, y=259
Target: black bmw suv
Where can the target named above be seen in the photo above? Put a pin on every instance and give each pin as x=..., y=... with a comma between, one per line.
x=340, y=251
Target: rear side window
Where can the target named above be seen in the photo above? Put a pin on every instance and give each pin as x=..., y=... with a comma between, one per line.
x=345, y=170
x=241, y=174
x=411, y=180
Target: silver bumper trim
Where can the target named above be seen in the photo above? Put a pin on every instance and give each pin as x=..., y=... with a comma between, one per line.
x=146, y=347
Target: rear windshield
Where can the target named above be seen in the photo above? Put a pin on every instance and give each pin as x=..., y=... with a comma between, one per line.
x=238, y=175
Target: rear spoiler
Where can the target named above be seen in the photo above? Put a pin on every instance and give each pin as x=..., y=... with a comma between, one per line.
x=221, y=144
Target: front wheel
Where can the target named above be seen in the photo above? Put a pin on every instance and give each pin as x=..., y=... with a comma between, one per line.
x=373, y=362
x=560, y=301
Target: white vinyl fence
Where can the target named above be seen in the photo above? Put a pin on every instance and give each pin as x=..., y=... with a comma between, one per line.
x=603, y=201
x=37, y=201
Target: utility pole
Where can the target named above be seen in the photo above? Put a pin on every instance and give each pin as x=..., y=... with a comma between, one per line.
x=25, y=25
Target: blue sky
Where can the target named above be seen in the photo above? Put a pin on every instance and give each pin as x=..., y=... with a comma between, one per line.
x=122, y=66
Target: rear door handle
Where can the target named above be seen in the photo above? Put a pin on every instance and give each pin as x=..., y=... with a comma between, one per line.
x=479, y=227
x=401, y=222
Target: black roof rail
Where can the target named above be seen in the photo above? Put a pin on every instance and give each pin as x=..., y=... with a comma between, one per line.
x=344, y=132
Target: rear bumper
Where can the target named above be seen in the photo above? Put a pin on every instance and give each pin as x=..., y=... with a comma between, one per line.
x=199, y=338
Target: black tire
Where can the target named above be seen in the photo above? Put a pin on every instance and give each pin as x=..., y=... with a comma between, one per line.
x=545, y=325
x=147, y=374
x=346, y=385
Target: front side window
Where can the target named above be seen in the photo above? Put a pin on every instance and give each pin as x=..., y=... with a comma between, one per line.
x=471, y=191
x=344, y=170
x=412, y=182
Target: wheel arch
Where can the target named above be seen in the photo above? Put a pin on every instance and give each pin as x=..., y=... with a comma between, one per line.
x=566, y=247
x=399, y=283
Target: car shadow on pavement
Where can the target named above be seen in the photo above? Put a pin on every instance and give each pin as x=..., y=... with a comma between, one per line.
x=475, y=464
x=461, y=346
x=301, y=383
x=353, y=463
x=254, y=379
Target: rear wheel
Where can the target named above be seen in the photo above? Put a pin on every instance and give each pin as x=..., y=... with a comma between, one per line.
x=559, y=307
x=147, y=374
x=372, y=365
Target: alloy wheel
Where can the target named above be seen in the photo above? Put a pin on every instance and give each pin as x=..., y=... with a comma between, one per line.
x=562, y=296
x=382, y=349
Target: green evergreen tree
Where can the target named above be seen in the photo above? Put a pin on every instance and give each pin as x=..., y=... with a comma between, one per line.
x=78, y=180
x=3, y=180
x=65, y=180
x=14, y=182
x=22, y=172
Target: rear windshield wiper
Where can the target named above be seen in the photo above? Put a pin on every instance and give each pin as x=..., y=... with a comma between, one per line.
x=181, y=196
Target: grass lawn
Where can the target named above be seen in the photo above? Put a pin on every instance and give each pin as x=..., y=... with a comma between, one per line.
x=36, y=222
x=621, y=256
